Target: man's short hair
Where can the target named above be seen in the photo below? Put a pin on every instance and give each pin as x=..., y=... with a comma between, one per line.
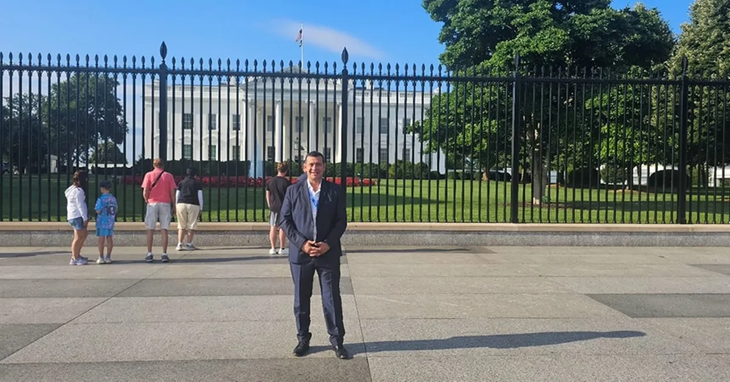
x=191, y=171
x=315, y=154
x=282, y=167
x=158, y=163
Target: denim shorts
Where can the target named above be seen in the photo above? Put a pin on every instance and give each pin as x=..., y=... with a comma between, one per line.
x=77, y=223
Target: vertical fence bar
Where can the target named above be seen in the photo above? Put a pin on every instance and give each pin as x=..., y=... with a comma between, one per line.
x=2, y=141
x=516, y=85
x=682, y=194
x=344, y=123
x=163, y=103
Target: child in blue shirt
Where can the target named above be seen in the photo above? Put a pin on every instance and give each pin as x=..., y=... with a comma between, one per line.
x=106, y=210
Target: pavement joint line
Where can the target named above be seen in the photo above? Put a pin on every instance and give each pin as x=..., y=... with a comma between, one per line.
x=359, y=322
x=84, y=312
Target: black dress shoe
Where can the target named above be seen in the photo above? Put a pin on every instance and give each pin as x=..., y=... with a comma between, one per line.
x=341, y=352
x=301, y=349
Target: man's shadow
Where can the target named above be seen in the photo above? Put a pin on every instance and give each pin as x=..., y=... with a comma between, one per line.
x=499, y=341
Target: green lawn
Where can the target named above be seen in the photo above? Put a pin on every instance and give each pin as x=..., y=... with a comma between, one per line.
x=394, y=201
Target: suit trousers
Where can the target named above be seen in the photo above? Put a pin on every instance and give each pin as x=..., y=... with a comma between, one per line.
x=329, y=283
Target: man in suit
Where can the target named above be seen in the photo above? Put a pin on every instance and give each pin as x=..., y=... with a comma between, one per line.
x=314, y=218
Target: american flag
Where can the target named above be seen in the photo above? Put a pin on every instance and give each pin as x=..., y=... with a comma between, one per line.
x=299, y=39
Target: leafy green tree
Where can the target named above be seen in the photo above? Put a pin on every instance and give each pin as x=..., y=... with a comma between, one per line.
x=84, y=112
x=474, y=119
x=23, y=134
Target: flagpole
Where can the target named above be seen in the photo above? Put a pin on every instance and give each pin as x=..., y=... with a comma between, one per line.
x=301, y=44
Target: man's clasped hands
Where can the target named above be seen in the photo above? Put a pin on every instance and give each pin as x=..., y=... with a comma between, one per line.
x=315, y=249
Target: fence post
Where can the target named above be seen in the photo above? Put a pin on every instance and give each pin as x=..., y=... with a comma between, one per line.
x=163, y=103
x=343, y=136
x=516, y=87
x=683, y=116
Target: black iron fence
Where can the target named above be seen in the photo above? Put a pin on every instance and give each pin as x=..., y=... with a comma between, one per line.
x=408, y=143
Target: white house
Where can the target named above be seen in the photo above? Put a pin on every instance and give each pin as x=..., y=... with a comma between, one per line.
x=275, y=120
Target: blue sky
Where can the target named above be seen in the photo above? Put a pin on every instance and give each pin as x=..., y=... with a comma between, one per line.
x=397, y=31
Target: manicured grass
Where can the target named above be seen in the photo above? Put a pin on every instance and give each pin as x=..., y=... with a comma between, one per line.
x=34, y=198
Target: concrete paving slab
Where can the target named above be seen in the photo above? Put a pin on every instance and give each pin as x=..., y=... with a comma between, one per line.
x=560, y=258
x=527, y=337
x=712, y=335
x=17, y=336
x=555, y=368
x=220, y=271
x=698, y=256
x=723, y=269
x=442, y=270
x=206, y=309
x=88, y=272
x=254, y=370
x=481, y=306
x=44, y=310
x=249, y=286
x=416, y=258
x=626, y=270
x=625, y=285
x=667, y=305
x=63, y=288
x=178, y=341
x=455, y=285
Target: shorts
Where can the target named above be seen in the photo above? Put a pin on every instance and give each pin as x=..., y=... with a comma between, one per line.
x=105, y=232
x=158, y=212
x=273, y=219
x=77, y=223
x=187, y=216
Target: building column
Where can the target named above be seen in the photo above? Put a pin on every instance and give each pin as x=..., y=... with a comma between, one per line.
x=278, y=132
x=338, y=136
x=312, y=142
x=248, y=123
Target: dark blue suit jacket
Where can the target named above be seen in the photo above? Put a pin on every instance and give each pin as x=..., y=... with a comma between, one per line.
x=296, y=220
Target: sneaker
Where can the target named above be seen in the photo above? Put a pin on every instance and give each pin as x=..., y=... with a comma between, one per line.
x=79, y=261
x=284, y=251
x=85, y=258
x=192, y=247
x=101, y=260
x=108, y=259
x=165, y=258
x=149, y=258
x=179, y=247
x=272, y=251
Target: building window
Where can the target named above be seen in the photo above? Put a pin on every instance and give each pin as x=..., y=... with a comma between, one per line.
x=270, y=123
x=212, y=152
x=187, y=121
x=383, y=125
x=383, y=156
x=327, y=122
x=327, y=154
x=406, y=123
x=407, y=155
x=270, y=153
x=358, y=125
x=212, y=123
x=187, y=151
x=299, y=123
x=236, y=152
x=358, y=155
x=236, y=121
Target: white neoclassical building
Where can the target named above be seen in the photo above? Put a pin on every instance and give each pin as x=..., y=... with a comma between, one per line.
x=259, y=121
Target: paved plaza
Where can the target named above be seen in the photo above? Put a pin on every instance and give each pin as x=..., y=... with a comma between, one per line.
x=411, y=314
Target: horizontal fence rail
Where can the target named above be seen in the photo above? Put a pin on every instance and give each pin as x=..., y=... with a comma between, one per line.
x=407, y=143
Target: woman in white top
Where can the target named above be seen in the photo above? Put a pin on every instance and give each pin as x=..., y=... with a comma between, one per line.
x=78, y=216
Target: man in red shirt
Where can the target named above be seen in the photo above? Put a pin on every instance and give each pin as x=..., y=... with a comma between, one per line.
x=158, y=190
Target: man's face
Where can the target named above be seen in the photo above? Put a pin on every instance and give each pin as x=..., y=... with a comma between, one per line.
x=314, y=167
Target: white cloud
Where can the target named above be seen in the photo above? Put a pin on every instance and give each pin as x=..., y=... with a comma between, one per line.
x=327, y=38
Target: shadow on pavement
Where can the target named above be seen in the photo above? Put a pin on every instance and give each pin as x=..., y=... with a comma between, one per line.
x=501, y=341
